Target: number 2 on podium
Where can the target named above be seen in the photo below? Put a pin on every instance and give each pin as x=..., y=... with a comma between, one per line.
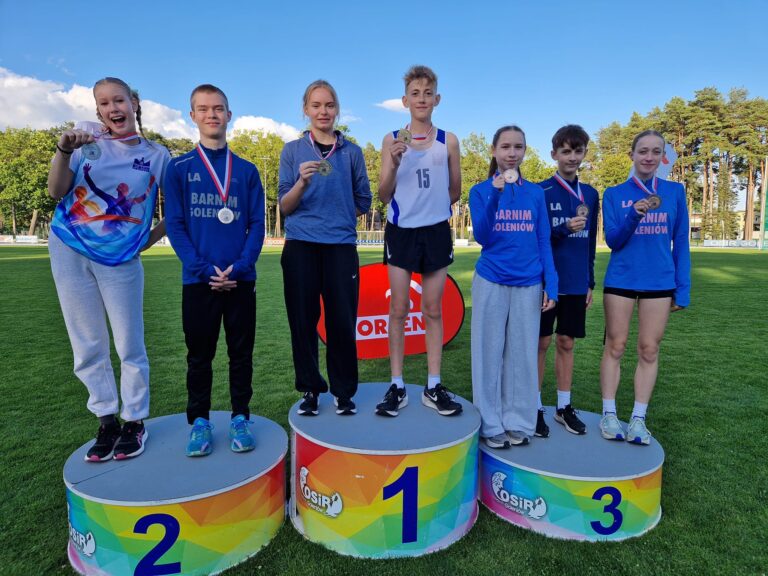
x=148, y=566
x=408, y=484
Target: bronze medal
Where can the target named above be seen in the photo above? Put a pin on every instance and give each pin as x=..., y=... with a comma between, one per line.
x=654, y=201
x=511, y=176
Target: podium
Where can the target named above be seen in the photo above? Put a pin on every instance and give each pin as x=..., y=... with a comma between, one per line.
x=165, y=513
x=380, y=487
x=575, y=487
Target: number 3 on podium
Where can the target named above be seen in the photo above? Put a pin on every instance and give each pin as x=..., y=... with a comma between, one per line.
x=408, y=484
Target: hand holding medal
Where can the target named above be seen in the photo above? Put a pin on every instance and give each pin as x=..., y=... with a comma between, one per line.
x=323, y=166
x=652, y=201
x=71, y=140
x=511, y=176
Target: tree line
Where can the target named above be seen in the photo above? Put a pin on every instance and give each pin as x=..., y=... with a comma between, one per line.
x=721, y=142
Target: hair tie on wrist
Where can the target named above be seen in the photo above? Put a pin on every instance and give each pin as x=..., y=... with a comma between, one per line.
x=65, y=152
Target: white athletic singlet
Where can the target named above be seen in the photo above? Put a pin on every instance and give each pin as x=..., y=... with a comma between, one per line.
x=421, y=195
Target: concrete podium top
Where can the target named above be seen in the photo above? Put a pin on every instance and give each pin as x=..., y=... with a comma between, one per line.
x=164, y=474
x=416, y=429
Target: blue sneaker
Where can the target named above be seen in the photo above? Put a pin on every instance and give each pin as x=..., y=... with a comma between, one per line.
x=241, y=439
x=611, y=428
x=200, y=438
x=637, y=433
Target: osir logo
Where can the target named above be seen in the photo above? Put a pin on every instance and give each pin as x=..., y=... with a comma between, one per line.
x=329, y=505
x=372, y=327
x=535, y=509
x=85, y=543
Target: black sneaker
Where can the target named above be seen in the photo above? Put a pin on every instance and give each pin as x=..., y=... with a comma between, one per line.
x=568, y=418
x=309, y=406
x=131, y=441
x=394, y=399
x=441, y=399
x=103, y=449
x=542, y=430
x=345, y=406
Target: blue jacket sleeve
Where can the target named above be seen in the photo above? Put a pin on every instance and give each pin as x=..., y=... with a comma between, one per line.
x=255, y=240
x=618, y=227
x=681, y=252
x=483, y=202
x=176, y=227
x=287, y=172
x=543, y=233
x=361, y=187
x=593, y=239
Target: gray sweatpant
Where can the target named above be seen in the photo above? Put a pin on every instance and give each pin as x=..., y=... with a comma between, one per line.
x=505, y=337
x=90, y=292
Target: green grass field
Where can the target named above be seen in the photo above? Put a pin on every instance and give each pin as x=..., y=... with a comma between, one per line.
x=710, y=413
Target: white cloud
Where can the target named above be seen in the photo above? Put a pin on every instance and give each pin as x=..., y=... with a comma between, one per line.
x=260, y=123
x=393, y=105
x=29, y=102
x=167, y=121
x=348, y=118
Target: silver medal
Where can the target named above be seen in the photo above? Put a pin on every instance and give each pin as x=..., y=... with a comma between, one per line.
x=91, y=151
x=226, y=215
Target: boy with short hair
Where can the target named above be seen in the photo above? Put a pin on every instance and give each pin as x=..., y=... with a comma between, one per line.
x=572, y=208
x=420, y=179
x=214, y=204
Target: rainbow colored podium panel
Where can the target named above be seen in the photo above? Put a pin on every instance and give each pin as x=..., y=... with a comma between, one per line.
x=165, y=513
x=379, y=487
x=575, y=487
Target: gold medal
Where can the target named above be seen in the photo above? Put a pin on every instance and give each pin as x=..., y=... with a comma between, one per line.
x=582, y=210
x=511, y=176
x=325, y=168
x=404, y=135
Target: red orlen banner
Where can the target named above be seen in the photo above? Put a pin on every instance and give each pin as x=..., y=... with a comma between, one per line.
x=373, y=314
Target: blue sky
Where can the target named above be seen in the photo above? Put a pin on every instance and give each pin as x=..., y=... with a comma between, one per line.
x=538, y=64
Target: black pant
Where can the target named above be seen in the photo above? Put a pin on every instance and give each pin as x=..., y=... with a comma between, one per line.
x=311, y=270
x=202, y=310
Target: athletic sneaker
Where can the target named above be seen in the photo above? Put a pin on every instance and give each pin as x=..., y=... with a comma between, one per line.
x=394, y=399
x=637, y=433
x=441, y=399
x=611, y=428
x=344, y=406
x=132, y=440
x=498, y=441
x=542, y=430
x=106, y=438
x=200, y=438
x=308, y=407
x=568, y=417
x=240, y=437
x=517, y=438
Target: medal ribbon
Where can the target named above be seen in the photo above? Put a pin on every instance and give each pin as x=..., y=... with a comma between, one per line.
x=564, y=183
x=317, y=152
x=639, y=184
x=104, y=136
x=222, y=190
x=420, y=136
